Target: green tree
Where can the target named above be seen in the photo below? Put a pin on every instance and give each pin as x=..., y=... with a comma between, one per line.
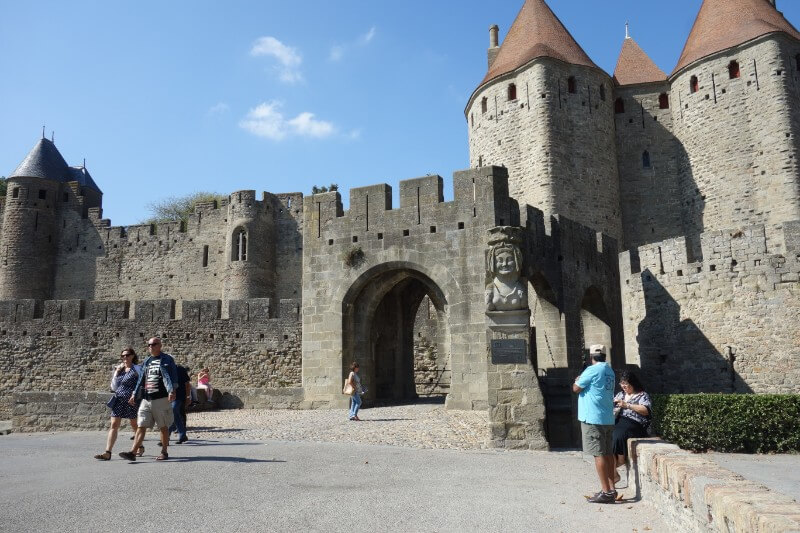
x=330, y=188
x=178, y=208
x=3, y=185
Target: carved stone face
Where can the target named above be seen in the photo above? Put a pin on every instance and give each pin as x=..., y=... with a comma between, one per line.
x=505, y=263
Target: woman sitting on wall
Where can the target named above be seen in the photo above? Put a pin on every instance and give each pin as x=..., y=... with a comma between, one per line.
x=632, y=412
x=204, y=382
x=123, y=381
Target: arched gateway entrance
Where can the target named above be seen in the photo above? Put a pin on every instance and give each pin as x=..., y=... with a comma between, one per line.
x=394, y=323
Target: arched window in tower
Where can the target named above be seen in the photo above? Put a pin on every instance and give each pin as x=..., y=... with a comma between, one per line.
x=571, y=85
x=663, y=101
x=797, y=62
x=646, y=159
x=694, y=85
x=239, y=245
x=484, y=104
x=733, y=70
x=512, y=91
x=619, y=106
x=603, y=93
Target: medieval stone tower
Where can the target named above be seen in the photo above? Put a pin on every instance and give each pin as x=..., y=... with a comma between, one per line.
x=544, y=110
x=44, y=194
x=645, y=157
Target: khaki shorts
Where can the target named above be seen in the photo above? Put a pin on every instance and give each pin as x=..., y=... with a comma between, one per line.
x=155, y=412
x=596, y=439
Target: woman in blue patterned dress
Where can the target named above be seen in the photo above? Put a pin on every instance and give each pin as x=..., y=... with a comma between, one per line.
x=632, y=409
x=123, y=381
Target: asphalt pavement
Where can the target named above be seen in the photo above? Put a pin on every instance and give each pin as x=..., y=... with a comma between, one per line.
x=50, y=482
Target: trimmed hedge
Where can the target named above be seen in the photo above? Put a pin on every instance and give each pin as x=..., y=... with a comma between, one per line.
x=742, y=423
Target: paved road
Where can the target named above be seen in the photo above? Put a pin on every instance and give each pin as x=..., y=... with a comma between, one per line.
x=49, y=482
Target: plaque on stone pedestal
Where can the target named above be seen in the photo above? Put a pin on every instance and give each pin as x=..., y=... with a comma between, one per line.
x=509, y=352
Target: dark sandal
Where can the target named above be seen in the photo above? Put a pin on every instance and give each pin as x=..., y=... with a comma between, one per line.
x=105, y=456
x=163, y=457
x=140, y=451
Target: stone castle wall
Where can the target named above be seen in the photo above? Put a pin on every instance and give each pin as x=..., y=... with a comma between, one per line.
x=182, y=261
x=739, y=163
x=559, y=146
x=72, y=345
x=727, y=323
x=649, y=195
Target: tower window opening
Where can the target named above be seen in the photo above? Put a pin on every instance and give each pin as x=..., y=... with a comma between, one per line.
x=512, y=92
x=663, y=101
x=66, y=197
x=15, y=192
x=603, y=93
x=205, y=256
x=694, y=85
x=797, y=62
x=42, y=194
x=484, y=104
x=733, y=70
x=472, y=119
x=571, y=85
x=619, y=106
x=646, y=159
x=239, y=245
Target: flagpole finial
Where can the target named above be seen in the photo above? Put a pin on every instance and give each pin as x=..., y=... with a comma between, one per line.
x=627, y=30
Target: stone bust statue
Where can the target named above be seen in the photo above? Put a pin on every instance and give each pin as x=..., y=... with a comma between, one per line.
x=505, y=292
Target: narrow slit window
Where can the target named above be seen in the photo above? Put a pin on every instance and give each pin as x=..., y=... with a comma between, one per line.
x=571, y=85
x=205, y=256
x=603, y=93
x=512, y=92
x=484, y=104
x=694, y=85
x=42, y=194
x=663, y=101
x=619, y=106
x=239, y=245
x=797, y=62
x=733, y=70
x=15, y=192
x=646, y=159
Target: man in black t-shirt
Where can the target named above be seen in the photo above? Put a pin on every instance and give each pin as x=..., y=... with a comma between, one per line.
x=157, y=386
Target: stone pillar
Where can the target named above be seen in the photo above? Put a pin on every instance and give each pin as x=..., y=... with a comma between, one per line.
x=516, y=405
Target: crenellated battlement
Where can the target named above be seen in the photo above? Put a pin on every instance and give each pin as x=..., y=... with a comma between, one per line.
x=734, y=250
x=148, y=311
x=481, y=198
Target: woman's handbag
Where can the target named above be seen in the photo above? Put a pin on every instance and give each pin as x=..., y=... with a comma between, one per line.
x=348, y=388
x=112, y=401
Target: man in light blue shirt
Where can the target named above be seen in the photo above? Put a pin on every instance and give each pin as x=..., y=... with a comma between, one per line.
x=595, y=388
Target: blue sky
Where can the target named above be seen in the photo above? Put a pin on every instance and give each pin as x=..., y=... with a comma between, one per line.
x=168, y=98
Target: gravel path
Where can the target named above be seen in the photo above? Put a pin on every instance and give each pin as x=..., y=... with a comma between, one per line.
x=413, y=426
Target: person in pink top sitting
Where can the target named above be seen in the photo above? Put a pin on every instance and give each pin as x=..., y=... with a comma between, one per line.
x=204, y=382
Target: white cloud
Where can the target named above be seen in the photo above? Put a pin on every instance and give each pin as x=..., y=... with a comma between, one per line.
x=219, y=108
x=338, y=50
x=266, y=120
x=289, y=58
x=367, y=37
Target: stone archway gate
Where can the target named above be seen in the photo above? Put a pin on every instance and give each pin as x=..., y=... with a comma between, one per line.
x=445, y=244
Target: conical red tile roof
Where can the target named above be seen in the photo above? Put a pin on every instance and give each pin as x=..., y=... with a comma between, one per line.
x=722, y=24
x=635, y=66
x=536, y=32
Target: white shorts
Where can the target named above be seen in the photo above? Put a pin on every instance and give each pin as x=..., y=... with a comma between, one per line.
x=155, y=413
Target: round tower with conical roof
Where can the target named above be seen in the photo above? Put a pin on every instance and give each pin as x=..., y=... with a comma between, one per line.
x=736, y=114
x=545, y=111
x=30, y=233
x=646, y=149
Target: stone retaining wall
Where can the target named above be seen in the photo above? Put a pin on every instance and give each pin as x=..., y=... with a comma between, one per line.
x=87, y=411
x=693, y=493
